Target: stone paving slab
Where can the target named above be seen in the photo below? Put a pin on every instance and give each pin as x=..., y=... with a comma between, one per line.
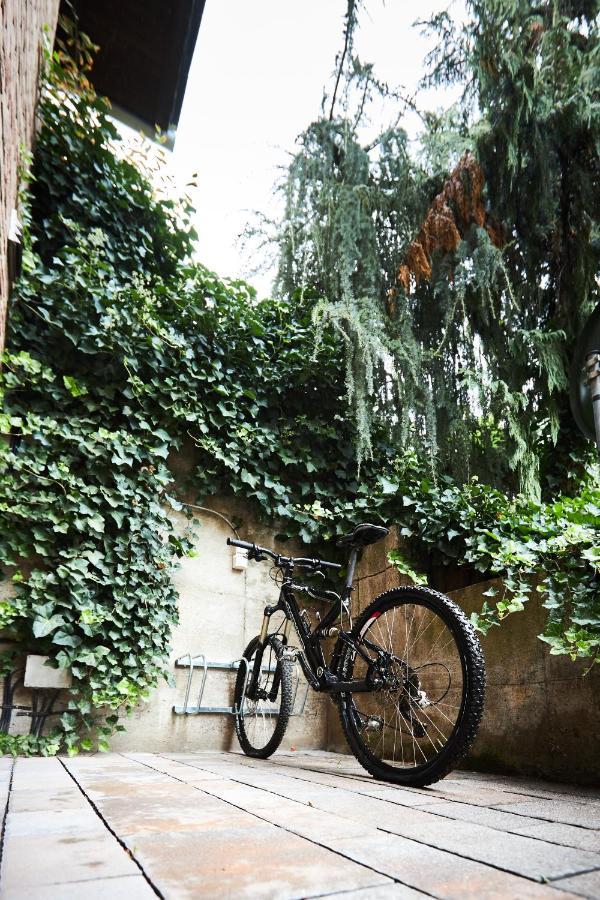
x=301, y=825
x=520, y=855
x=52, y=836
x=191, y=843
x=358, y=785
x=440, y=874
x=53, y=822
x=587, y=885
x=568, y=835
x=585, y=815
x=38, y=861
x=455, y=797
x=131, y=887
x=515, y=823
x=451, y=789
x=531, y=787
x=389, y=892
x=259, y=862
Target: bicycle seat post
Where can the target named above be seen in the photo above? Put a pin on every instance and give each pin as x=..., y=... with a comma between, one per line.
x=350, y=573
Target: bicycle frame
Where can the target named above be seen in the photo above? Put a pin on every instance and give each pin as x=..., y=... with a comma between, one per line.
x=367, y=674
x=321, y=676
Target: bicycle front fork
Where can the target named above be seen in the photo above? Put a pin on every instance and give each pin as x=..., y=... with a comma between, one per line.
x=265, y=629
x=264, y=633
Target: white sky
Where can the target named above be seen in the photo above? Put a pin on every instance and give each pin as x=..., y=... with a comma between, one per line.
x=256, y=81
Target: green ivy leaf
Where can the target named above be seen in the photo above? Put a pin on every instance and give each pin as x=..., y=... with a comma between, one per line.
x=388, y=487
x=65, y=639
x=73, y=387
x=42, y=627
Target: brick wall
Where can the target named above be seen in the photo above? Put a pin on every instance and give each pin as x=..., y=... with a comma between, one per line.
x=22, y=22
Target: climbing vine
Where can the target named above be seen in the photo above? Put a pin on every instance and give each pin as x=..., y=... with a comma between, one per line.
x=551, y=549
x=121, y=350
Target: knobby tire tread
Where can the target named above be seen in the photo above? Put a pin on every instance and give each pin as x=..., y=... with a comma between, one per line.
x=285, y=709
x=467, y=730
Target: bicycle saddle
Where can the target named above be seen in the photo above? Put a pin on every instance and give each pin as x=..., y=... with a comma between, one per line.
x=363, y=535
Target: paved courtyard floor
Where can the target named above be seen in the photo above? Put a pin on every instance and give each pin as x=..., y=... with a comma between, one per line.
x=181, y=825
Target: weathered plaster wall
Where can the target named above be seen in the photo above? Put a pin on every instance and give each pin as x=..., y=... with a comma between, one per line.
x=542, y=715
x=22, y=23
x=220, y=611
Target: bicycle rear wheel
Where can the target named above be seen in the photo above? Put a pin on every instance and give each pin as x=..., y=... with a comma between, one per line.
x=423, y=717
x=260, y=721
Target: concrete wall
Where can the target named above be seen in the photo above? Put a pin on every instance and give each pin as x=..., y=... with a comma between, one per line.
x=220, y=611
x=21, y=22
x=542, y=714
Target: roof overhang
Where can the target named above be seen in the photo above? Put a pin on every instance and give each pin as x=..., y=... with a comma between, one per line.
x=146, y=49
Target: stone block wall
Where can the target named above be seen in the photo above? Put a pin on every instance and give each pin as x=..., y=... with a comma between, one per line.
x=542, y=713
x=21, y=35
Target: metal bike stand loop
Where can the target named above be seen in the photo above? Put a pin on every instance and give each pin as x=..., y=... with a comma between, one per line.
x=195, y=662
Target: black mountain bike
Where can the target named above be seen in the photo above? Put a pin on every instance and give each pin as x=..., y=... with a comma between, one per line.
x=408, y=676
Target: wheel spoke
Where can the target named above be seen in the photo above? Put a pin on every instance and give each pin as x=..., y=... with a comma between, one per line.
x=258, y=719
x=418, y=707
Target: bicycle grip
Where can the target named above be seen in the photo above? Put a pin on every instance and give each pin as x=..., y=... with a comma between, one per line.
x=243, y=544
x=315, y=563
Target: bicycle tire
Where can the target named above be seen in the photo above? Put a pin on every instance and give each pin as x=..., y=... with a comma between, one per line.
x=284, y=700
x=409, y=717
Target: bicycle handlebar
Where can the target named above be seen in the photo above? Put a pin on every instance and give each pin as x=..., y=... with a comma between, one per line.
x=243, y=544
x=254, y=549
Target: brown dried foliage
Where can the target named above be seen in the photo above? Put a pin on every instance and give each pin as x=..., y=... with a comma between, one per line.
x=451, y=213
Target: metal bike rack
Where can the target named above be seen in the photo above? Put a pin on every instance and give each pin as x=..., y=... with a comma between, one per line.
x=197, y=662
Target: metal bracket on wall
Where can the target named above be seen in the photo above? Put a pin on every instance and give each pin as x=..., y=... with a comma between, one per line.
x=194, y=663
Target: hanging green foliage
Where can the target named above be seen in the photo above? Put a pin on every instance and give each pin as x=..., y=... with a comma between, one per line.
x=460, y=274
x=531, y=74
x=552, y=548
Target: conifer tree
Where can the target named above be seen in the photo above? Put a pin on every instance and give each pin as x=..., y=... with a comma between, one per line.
x=460, y=276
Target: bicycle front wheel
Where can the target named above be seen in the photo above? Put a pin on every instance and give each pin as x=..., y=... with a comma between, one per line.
x=425, y=659
x=261, y=719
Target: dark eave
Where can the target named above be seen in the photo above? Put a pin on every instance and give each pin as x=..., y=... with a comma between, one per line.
x=146, y=49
